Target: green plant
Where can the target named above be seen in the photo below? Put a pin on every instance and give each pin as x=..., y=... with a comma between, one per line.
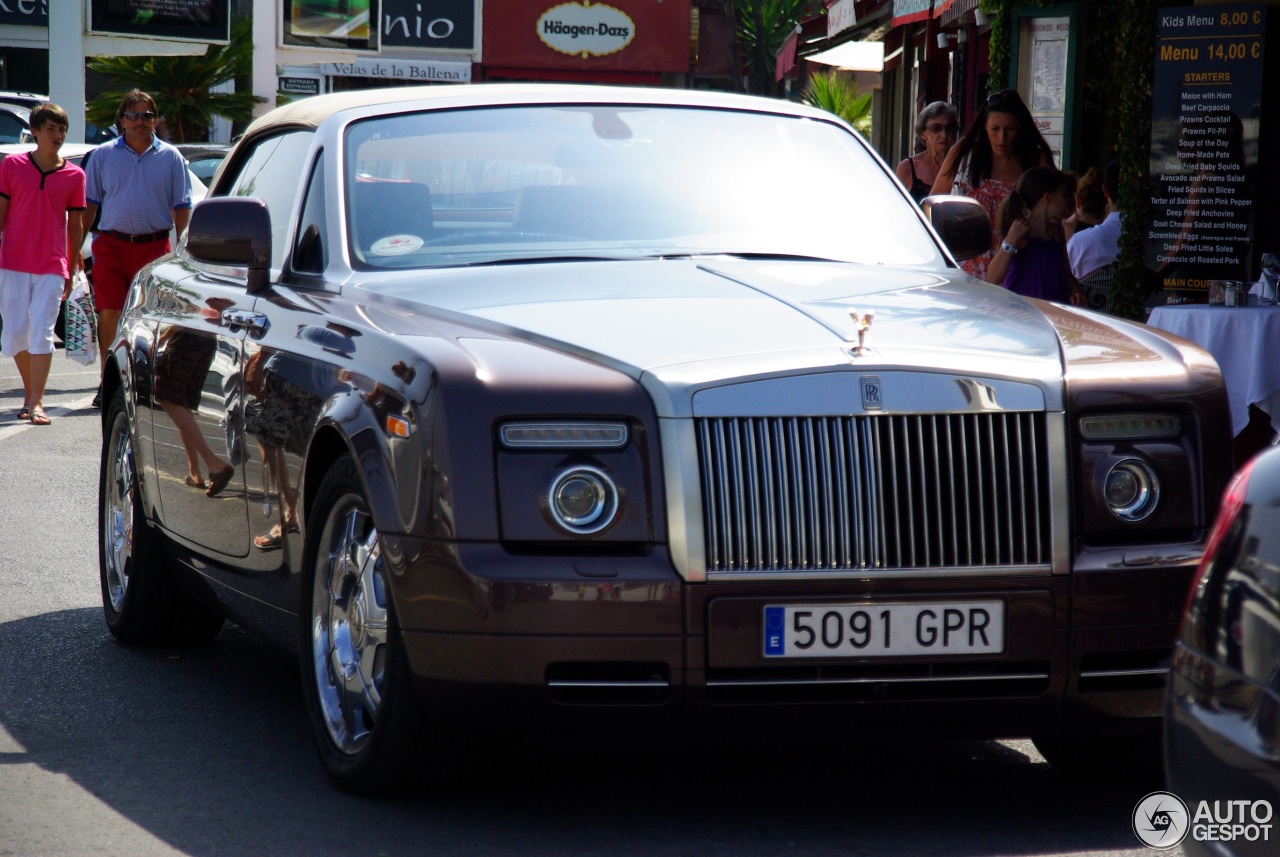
x=999, y=46
x=182, y=86
x=762, y=26
x=838, y=92
x=1136, y=48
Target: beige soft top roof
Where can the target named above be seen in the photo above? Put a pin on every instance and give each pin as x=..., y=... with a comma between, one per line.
x=313, y=110
x=317, y=108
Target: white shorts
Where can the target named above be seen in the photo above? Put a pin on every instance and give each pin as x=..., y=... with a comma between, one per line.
x=29, y=305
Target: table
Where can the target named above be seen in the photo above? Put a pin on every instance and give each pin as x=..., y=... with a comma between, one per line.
x=1246, y=343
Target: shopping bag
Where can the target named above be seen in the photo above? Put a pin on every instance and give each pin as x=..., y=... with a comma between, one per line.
x=80, y=325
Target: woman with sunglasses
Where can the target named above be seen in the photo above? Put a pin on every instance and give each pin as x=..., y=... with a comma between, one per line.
x=936, y=129
x=986, y=163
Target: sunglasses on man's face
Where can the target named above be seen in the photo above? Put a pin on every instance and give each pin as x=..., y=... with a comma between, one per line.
x=138, y=114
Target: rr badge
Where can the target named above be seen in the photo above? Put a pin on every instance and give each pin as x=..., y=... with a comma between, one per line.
x=870, y=392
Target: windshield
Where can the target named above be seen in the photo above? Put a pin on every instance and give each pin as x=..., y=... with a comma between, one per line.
x=494, y=185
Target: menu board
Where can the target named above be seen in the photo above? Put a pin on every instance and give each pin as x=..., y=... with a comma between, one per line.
x=1206, y=115
x=1046, y=40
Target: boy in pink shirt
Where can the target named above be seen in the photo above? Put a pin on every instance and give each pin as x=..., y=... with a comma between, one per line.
x=41, y=227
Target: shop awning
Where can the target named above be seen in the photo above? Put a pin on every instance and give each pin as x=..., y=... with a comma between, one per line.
x=785, y=59
x=911, y=11
x=954, y=10
x=854, y=56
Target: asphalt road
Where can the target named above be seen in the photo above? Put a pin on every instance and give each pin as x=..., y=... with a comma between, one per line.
x=110, y=750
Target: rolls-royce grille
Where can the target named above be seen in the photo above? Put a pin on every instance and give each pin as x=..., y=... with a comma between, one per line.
x=874, y=492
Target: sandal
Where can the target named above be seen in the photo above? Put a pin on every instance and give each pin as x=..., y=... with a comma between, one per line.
x=193, y=482
x=39, y=417
x=269, y=541
x=219, y=480
x=24, y=413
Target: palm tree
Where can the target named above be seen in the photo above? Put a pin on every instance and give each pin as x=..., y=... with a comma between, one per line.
x=762, y=26
x=838, y=93
x=182, y=86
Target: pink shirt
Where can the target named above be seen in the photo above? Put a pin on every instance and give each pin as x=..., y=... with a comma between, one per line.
x=34, y=240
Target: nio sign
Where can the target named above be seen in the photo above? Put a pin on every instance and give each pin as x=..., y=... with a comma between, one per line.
x=586, y=29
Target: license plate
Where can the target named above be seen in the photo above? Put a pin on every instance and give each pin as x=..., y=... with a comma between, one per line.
x=878, y=630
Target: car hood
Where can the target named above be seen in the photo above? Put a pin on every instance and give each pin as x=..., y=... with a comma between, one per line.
x=699, y=322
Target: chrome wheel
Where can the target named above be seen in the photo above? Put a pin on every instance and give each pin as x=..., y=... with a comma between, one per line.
x=141, y=601
x=349, y=625
x=118, y=505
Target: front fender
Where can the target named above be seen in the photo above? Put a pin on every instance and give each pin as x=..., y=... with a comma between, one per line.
x=1114, y=365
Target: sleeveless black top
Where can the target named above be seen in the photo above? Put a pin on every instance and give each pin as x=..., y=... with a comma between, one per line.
x=918, y=190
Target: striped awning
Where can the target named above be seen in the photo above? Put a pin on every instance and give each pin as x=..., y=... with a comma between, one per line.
x=954, y=10
x=911, y=11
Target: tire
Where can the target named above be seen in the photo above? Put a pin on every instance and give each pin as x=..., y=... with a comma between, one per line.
x=1122, y=757
x=365, y=717
x=140, y=600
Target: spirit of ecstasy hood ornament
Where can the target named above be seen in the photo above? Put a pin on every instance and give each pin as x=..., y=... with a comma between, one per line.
x=863, y=323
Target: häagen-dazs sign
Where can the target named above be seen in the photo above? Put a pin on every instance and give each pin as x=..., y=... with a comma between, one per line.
x=586, y=29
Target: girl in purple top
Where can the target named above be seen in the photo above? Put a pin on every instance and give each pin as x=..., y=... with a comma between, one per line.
x=1032, y=258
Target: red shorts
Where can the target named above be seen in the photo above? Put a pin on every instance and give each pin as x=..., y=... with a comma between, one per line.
x=115, y=263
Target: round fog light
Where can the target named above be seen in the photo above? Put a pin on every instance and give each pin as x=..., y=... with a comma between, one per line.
x=1131, y=490
x=583, y=500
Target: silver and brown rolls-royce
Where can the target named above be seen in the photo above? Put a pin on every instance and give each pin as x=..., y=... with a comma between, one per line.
x=595, y=408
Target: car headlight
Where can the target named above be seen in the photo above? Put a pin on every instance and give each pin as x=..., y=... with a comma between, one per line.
x=579, y=481
x=1131, y=490
x=583, y=500
x=1138, y=472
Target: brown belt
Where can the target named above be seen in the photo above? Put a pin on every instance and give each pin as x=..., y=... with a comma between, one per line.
x=137, y=239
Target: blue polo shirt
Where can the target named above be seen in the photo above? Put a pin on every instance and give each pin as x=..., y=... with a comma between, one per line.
x=137, y=193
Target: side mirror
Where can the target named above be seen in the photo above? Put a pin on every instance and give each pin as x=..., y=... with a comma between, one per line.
x=961, y=223
x=236, y=231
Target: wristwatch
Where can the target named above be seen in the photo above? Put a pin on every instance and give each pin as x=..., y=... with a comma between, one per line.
x=1011, y=249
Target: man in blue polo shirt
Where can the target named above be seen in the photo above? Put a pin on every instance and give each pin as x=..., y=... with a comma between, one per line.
x=141, y=184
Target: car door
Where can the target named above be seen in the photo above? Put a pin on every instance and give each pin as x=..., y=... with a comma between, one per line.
x=236, y=520
x=291, y=374
x=197, y=391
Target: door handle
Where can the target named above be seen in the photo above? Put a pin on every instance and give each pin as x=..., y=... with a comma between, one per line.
x=254, y=322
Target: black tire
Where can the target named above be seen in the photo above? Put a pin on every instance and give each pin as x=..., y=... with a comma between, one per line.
x=1138, y=756
x=140, y=600
x=368, y=725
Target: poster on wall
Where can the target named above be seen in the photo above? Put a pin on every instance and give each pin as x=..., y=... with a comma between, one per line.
x=188, y=20
x=345, y=25
x=1206, y=115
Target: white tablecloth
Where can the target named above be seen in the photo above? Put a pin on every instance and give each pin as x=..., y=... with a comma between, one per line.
x=1246, y=343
